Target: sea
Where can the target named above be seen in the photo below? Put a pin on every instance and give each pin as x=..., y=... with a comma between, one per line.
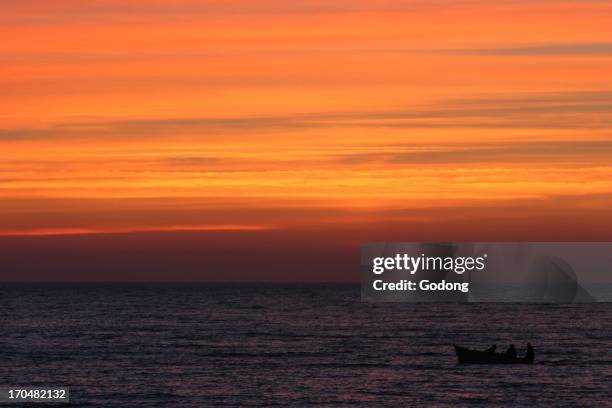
x=200, y=345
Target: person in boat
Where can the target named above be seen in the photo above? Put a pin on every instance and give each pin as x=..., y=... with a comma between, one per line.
x=511, y=352
x=530, y=352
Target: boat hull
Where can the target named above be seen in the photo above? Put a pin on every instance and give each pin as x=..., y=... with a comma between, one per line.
x=467, y=356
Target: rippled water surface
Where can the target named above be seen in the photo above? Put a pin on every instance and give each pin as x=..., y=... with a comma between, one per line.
x=201, y=345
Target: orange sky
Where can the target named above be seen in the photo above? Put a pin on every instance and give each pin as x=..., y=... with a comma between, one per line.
x=344, y=117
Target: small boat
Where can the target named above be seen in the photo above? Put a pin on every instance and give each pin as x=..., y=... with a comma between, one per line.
x=489, y=356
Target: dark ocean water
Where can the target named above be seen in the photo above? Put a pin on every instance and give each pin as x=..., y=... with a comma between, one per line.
x=202, y=345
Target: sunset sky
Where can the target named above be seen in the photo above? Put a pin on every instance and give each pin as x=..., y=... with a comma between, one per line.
x=166, y=140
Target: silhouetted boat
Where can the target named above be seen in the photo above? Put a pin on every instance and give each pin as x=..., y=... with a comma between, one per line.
x=489, y=356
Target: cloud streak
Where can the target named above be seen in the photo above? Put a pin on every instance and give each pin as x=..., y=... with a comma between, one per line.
x=591, y=152
x=139, y=229
x=587, y=110
x=544, y=50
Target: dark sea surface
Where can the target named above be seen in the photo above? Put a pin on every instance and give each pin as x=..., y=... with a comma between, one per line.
x=196, y=345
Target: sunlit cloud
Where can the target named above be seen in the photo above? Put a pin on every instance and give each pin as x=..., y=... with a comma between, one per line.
x=139, y=229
